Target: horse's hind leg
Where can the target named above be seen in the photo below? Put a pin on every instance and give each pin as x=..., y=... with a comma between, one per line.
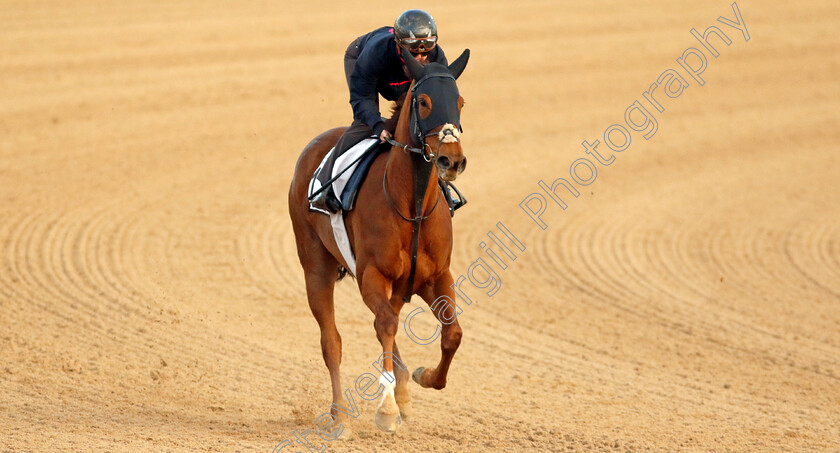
x=319, y=290
x=320, y=272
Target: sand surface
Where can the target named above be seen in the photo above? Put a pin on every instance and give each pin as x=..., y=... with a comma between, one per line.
x=687, y=300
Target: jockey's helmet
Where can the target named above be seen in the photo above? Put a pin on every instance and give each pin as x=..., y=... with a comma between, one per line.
x=415, y=31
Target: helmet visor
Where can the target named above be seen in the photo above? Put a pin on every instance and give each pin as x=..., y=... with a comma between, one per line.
x=418, y=45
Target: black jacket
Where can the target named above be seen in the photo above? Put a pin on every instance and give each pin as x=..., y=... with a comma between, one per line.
x=379, y=70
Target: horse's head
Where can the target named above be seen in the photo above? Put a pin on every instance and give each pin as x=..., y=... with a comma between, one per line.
x=436, y=113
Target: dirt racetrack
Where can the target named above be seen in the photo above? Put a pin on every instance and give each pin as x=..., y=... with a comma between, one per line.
x=687, y=300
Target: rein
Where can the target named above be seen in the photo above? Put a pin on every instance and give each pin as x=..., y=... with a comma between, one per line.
x=394, y=207
x=412, y=149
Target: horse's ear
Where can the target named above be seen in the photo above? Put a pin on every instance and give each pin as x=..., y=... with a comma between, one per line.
x=414, y=66
x=457, y=66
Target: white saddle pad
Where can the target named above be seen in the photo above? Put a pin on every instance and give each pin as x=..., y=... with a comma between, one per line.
x=350, y=159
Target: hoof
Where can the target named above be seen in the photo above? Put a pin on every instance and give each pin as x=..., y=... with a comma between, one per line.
x=417, y=375
x=405, y=410
x=388, y=423
x=346, y=433
x=388, y=415
x=339, y=430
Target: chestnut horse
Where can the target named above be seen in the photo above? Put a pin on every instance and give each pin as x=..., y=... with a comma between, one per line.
x=381, y=229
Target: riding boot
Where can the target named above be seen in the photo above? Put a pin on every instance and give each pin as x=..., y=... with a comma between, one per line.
x=326, y=201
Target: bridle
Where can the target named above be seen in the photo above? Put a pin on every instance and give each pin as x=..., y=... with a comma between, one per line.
x=417, y=128
x=422, y=175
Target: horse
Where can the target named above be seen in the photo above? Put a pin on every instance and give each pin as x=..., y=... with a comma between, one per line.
x=400, y=234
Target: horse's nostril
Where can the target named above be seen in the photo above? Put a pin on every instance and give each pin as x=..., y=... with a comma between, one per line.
x=443, y=161
x=462, y=165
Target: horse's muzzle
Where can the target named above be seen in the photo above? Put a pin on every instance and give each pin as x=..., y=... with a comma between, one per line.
x=450, y=167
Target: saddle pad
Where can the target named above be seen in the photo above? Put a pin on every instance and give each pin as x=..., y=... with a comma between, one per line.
x=349, y=171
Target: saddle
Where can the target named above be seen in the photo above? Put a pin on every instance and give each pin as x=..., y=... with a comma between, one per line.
x=350, y=170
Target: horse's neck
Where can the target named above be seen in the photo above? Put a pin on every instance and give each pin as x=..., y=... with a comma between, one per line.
x=403, y=168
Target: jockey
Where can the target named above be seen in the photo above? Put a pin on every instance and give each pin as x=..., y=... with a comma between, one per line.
x=374, y=65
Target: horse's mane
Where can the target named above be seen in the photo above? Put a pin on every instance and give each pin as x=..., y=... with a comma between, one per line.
x=391, y=123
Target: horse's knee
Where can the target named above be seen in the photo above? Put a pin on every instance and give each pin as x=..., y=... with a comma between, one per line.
x=386, y=324
x=451, y=338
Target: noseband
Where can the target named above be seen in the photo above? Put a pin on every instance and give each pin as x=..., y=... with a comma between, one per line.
x=446, y=135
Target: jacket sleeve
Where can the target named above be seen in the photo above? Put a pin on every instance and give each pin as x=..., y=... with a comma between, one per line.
x=364, y=97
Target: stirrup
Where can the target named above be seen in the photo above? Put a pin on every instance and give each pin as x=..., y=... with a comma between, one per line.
x=454, y=203
x=325, y=201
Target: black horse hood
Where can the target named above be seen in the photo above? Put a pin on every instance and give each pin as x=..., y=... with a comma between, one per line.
x=438, y=82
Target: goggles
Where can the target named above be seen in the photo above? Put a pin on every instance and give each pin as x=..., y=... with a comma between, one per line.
x=418, y=45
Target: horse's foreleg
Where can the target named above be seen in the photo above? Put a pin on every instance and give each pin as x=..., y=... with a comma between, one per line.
x=376, y=292
x=401, y=393
x=450, y=336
